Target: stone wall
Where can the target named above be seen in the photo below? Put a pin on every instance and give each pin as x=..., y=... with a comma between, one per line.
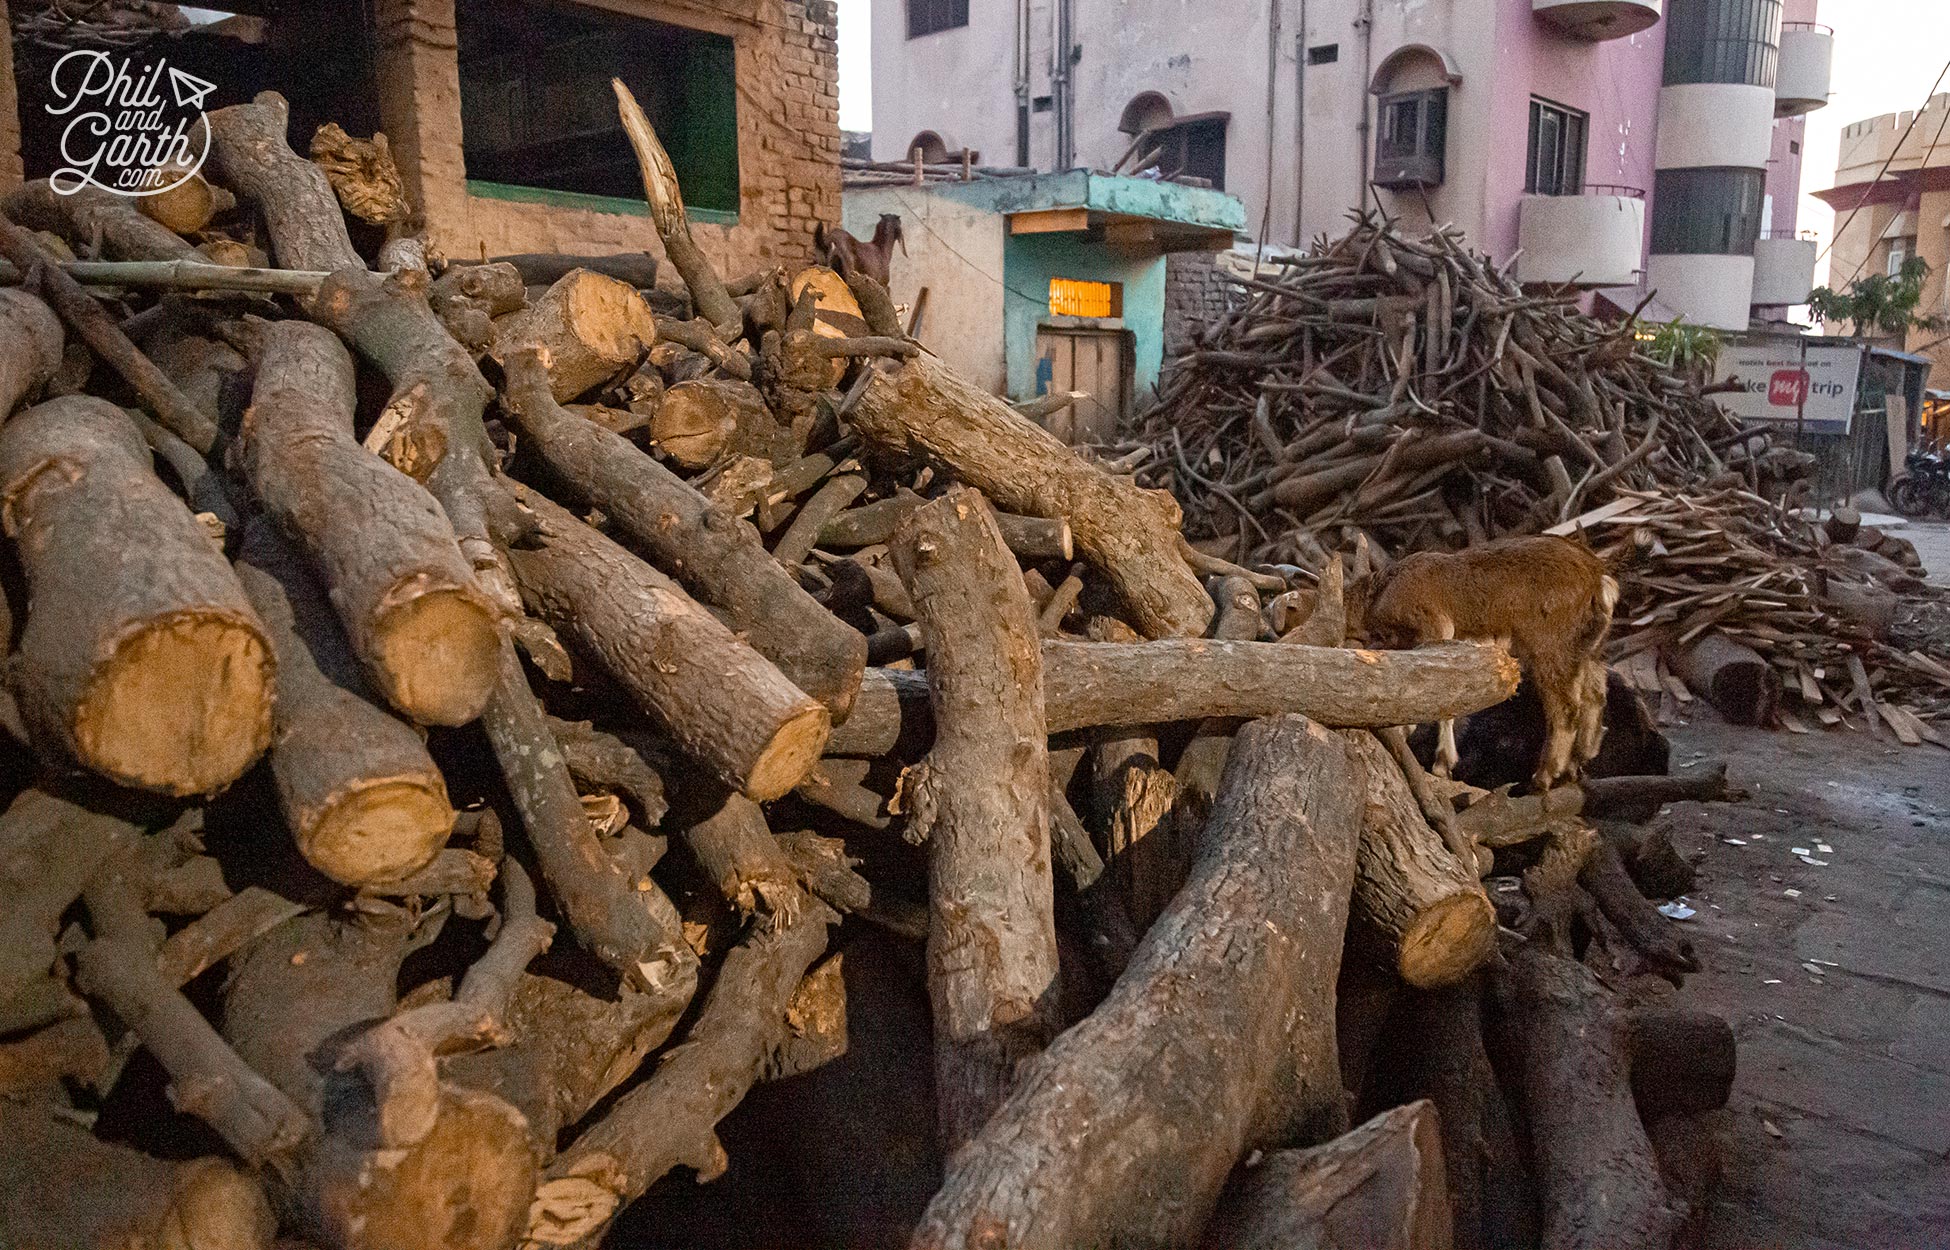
x=788, y=137
x=1194, y=294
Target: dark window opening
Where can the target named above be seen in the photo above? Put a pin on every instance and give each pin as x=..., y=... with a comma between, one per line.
x=1707, y=212
x=1325, y=54
x=1193, y=149
x=538, y=113
x=1410, y=138
x=1726, y=41
x=1794, y=147
x=927, y=17
x=1555, y=165
x=1043, y=103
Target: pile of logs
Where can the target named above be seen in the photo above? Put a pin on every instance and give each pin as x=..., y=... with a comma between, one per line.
x=379, y=623
x=1408, y=394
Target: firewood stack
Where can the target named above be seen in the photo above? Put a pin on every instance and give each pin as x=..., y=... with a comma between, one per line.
x=379, y=624
x=1409, y=393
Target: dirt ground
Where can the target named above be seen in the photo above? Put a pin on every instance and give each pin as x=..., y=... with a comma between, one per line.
x=1835, y=975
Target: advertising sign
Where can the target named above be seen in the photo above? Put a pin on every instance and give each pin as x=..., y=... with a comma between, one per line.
x=1776, y=384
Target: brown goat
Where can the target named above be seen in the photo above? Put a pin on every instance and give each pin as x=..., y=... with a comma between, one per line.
x=1549, y=600
x=846, y=255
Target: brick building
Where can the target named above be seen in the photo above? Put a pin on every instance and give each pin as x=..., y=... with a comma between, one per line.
x=500, y=112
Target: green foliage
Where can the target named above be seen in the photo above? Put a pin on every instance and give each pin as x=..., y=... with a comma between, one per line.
x=1685, y=348
x=1879, y=303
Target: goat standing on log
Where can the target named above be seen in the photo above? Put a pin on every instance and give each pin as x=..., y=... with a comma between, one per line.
x=846, y=255
x=1549, y=600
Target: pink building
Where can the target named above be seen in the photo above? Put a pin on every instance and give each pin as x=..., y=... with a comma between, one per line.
x=1610, y=144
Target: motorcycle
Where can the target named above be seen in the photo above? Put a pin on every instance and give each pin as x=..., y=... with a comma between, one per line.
x=1922, y=489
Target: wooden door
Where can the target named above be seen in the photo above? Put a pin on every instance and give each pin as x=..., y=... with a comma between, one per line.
x=1091, y=361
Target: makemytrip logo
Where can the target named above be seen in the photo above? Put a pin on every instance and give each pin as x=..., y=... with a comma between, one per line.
x=1787, y=388
x=132, y=129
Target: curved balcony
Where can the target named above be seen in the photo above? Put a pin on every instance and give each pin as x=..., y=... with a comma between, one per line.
x=1714, y=125
x=1801, y=79
x=1713, y=291
x=1784, y=271
x=1597, y=20
x=1592, y=239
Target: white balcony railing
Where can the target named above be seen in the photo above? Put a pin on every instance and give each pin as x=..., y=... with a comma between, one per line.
x=1597, y=19
x=1592, y=239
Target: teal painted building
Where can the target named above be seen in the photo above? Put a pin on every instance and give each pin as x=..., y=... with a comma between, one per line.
x=1047, y=282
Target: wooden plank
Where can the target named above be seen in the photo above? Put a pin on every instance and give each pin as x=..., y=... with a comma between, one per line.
x=1603, y=512
x=1049, y=221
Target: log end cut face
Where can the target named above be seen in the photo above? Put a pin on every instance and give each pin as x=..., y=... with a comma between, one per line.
x=215, y=1205
x=182, y=706
x=438, y=654
x=791, y=754
x=380, y=831
x=465, y=1186
x=609, y=316
x=1448, y=941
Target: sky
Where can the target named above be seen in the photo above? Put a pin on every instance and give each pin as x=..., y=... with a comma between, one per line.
x=1887, y=52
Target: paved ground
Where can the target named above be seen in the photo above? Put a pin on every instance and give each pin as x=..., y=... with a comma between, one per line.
x=1932, y=542
x=1836, y=976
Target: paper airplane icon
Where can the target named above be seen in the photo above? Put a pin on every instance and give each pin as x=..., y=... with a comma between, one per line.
x=189, y=89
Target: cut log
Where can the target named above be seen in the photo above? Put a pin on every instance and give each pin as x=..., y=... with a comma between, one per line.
x=920, y=405
x=1379, y=1187
x=186, y=204
x=666, y=199
x=1418, y=897
x=50, y=848
x=65, y=1189
x=589, y=326
x=1217, y=1040
x=671, y=1119
x=639, y=269
x=1843, y=524
x=723, y=703
x=364, y=800
x=1031, y=537
x=1435, y=1051
x=428, y=638
x=699, y=421
x=982, y=797
x=1733, y=677
x=141, y=657
x=34, y=338
x=1564, y=1051
x=1087, y=683
x=1649, y=933
x=708, y=550
x=1683, y=1062
x=1497, y=820
x=737, y=853
x=466, y=1185
x=91, y=215
x=627, y=923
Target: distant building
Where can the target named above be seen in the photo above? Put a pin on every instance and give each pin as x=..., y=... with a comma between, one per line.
x=500, y=112
x=1892, y=201
x=1604, y=143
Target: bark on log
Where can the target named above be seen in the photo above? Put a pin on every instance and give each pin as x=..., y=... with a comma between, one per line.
x=1565, y=1053
x=628, y=924
x=1379, y=1187
x=90, y=214
x=33, y=335
x=464, y=1186
x=1650, y=934
x=639, y=269
x=431, y=428
x=1733, y=677
x=1218, y=1039
x=428, y=638
x=699, y=421
x=666, y=199
x=65, y=1189
x=1498, y=820
x=982, y=797
x=671, y=1119
x=723, y=703
x=50, y=848
x=710, y=552
x=591, y=328
x=891, y=716
x=737, y=853
x=1428, y=907
x=1031, y=537
x=364, y=800
x=141, y=657
x=1088, y=683
x=1131, y=534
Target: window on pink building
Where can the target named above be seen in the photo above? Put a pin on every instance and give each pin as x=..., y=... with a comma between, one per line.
x=1556, y=153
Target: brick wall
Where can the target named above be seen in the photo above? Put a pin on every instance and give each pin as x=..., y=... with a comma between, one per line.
x=1194, y=294
x=788, y=137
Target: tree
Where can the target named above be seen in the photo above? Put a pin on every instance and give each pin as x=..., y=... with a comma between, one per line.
x=1879, y=303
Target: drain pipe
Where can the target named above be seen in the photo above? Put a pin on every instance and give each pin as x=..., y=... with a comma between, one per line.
x=1366, y=23
x=1272, y=98
x=1022, y=84
x=1300, y=128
